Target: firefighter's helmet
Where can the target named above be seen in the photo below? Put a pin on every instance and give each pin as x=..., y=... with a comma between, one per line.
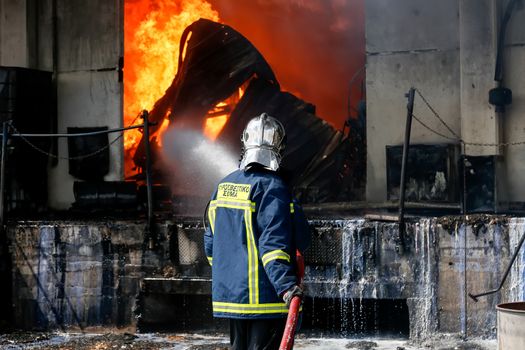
x=263, y=141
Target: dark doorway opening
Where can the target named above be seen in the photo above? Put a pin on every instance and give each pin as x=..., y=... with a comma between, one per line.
x=336, y=317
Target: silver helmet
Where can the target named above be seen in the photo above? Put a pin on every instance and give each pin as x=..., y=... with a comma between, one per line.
x=262, y=142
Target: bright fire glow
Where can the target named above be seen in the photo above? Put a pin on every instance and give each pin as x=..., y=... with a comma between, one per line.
x=218, y=116
x=214, y=125
x=163, y=127
x=152, y=34
x=313, y=46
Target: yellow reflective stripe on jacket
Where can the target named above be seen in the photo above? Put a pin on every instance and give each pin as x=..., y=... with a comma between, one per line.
x=253, y=260
x=237, y=196
x=292, y=209
x=233, y=204
x=275, y=254
x=210, y=260
x=211, y=216
x=234, y=308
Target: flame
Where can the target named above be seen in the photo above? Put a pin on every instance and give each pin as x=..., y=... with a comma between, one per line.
x=163, y=127
x=315, y=67
x=314, y=47
x=214, y=125
x=218, y=116
x=152, y=31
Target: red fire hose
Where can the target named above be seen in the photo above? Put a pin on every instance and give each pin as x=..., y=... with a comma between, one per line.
x=293, y=311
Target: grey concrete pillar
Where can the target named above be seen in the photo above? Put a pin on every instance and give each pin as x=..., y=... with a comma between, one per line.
x=477, y=37
x=14, y=48
x=89, y=44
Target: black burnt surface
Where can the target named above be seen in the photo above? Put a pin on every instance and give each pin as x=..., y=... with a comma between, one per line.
x=217, y=62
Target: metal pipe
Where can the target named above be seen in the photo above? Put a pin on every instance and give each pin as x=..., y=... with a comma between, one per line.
x=498, y=74
x=149, y=192
x=54, y=81
x=464, y=321
x=406, y=146
x=83, y=134
x=335, y=206
x=2, y=174
x=518, y=248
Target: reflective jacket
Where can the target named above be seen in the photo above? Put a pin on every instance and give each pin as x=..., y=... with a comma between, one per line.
x=254, y=232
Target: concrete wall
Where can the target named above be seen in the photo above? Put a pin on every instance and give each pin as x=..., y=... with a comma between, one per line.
x=443, y=259
x=514, y=121
x=409, y=44
x=78, y=274
x=446, y=49
x=13, y=33
x=89, y=44
x=90, y=273
x=478, y=32
x=89, y=91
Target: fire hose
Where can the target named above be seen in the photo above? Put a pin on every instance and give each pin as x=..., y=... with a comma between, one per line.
x=293, y=311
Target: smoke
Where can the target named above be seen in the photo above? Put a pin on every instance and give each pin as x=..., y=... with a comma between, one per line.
x=314, y=46
x=194, y=164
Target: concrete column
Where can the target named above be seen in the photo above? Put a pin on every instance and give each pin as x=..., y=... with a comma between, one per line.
x=13, y=33
x=89, y=91
x=408, y=43
x=477, y=37
x=514, y=123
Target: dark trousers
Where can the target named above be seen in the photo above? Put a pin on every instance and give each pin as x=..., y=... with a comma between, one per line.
x=261, y=334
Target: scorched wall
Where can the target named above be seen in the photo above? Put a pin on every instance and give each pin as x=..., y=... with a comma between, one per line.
x=80, y=274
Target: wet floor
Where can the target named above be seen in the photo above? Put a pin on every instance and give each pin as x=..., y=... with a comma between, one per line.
x=117, y=341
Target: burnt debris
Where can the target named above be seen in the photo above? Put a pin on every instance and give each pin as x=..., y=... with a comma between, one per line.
x=218, y=60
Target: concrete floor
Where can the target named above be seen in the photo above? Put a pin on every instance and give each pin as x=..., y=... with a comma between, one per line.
x=110, y=341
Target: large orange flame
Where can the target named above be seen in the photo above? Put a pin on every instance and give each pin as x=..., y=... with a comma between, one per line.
x=313, y=46
x=152, y=32
x=218, y=116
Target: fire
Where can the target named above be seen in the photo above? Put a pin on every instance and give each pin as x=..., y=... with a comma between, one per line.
x=314, y=51
x=214, y=125
x=163, y=127
x=218, y=116
x=152, y=32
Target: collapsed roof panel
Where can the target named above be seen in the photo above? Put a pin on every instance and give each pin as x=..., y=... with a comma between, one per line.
x=312, y=143
x=218, y=61
x=214, y=60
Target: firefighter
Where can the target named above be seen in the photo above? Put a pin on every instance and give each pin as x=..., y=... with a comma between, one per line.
x=251, y=242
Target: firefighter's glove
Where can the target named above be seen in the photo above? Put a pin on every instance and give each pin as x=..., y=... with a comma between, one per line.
x=292, y=292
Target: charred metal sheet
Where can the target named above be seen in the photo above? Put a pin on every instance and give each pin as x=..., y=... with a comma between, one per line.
x=316, y=154
x=218, y=61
